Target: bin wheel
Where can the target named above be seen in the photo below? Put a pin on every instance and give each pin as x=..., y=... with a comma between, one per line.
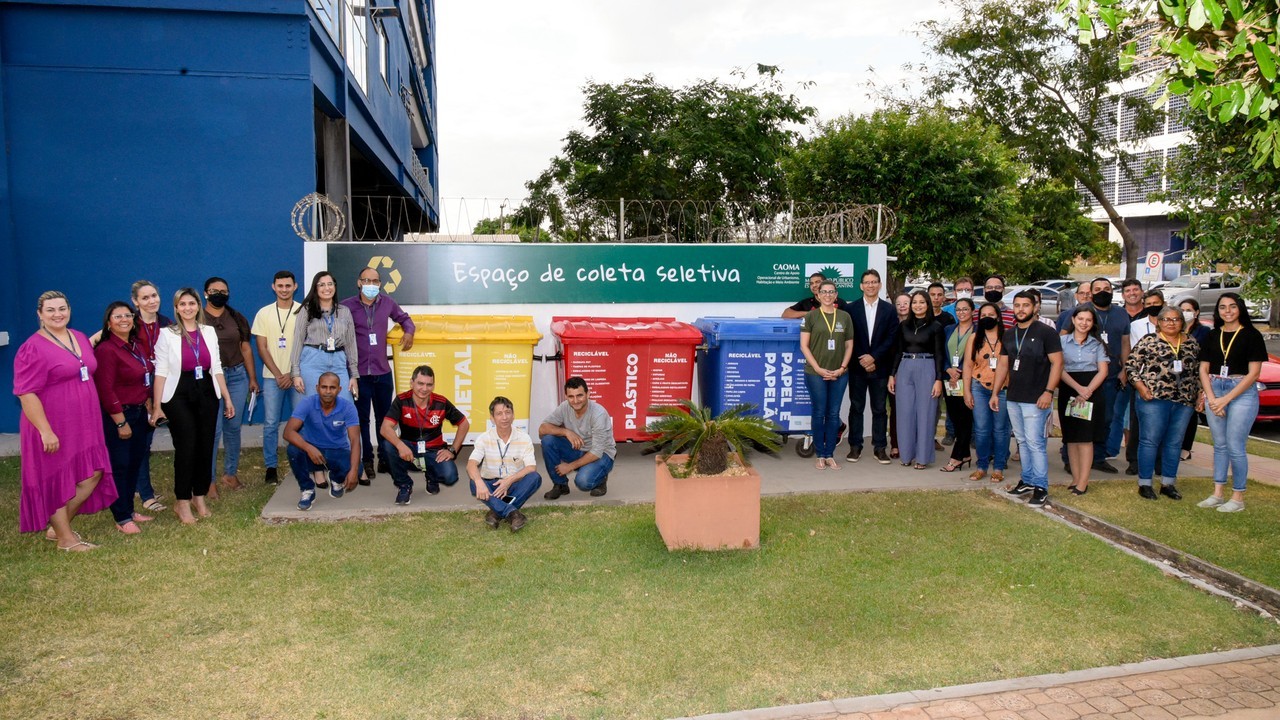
x=804, y=446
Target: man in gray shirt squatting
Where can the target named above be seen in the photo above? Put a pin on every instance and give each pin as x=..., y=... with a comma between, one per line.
x=577, y=435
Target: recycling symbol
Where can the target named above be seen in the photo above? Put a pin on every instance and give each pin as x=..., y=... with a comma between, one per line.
x=382, y=262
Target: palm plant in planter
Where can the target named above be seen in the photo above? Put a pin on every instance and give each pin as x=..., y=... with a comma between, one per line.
x=698, y=503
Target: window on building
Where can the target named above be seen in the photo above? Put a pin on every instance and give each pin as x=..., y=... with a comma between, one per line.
x=355, y=45
x=1145, y=176
x=384, y=54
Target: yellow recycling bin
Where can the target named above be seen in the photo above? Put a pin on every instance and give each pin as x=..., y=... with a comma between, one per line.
x=475, y=357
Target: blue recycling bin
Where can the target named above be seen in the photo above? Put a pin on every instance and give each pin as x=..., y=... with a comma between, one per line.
x=756, y=361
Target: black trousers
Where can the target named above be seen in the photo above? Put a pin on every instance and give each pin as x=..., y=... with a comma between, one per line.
x=962, y=419
x=193, y=419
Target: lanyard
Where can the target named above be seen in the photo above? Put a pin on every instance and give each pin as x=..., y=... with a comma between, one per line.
x=146, y=329
x=1225, y=350
x=74, y=345
x=959, y=342
x=195, y=344
x=329, y=319
x=370, y=312
x=1018, y=340
x=1177, y=348
x=283, y=321
x=831, y=325
x=422, y=415
x=133, y=350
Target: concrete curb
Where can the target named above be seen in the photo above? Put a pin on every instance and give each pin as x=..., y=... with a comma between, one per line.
x=878, y=703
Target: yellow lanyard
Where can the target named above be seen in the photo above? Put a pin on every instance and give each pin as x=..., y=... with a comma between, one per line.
x=1227, y=350
x=1178, y=347
x=831, y=326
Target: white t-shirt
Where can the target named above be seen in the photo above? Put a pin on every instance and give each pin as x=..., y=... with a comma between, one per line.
x=498, y=458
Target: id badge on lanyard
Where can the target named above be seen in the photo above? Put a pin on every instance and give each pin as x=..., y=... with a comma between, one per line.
x=1016, y=363
x=146, y=379
x=955, y=361
x=992, y=362
x=1177, y=366
x=422, y=447
x=84, y=374
x=1104, y=337
x=1223, y=371
x=199, y=372
x=373, y=339
x=831, y=343
x=330, y=345
x=281, y=343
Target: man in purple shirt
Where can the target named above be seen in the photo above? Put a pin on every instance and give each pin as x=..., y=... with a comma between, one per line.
x=370, y=311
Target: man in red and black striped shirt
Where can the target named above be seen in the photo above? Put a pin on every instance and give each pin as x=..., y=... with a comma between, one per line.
x=419, y=416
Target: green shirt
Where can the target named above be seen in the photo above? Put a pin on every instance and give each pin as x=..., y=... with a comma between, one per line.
x=827, y=336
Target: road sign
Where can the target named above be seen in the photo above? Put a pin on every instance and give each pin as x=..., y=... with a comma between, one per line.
x=1153, y=267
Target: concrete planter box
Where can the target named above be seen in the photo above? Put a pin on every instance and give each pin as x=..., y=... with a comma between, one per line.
x=707, y=513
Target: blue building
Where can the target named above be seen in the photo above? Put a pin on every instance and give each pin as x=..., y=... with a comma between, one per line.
x=170, y=140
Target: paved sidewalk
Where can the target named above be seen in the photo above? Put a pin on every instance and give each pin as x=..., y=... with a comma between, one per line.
x=1233, y=685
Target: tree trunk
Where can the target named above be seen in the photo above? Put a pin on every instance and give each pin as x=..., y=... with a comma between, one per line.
x=1129, y=245
x=1273, y=319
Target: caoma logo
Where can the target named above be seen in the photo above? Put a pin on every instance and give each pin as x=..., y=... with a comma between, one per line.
x=842, y=274
x=382, y=262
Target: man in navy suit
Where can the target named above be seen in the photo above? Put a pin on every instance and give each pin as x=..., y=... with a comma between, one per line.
x=869, y=373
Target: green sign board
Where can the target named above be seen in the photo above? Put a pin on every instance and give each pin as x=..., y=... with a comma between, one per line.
x=475, y=274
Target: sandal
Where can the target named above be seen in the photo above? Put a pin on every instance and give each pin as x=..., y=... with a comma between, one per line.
x=919, y=466
x=893, y=453
x=1186, y=455
x=997, y=476
x=977, y=475
x=154, y=505
x=74, y=548
x=54, y=538
x=955, y=465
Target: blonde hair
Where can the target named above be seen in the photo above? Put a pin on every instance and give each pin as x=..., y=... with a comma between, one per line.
x=176, y=328
x=49, y=295
x=138, y=285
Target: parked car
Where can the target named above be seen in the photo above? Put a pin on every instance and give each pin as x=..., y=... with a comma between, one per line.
x=1057, y=285
x=1269, y=391
x=1048, y=300
x=1203, y=288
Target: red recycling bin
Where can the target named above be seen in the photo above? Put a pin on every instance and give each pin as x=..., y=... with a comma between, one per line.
x=630, y=364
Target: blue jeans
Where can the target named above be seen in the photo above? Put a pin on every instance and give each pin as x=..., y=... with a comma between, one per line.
x=860, y=385
x=825, y=397
x=1028, y=422
x=438, y=473
x=229, y=429
x=990, y=429
x=375, y=390
x=336, y=460
x=556, y=450
x=1119, y=414
x=143, y=487
x=519, y=493
x=276, y=404
x=1231, y=432
x=126, y=457
x=1161, y=424
x=315, y=362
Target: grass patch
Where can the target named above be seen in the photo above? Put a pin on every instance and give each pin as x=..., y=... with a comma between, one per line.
x=582, y=615
x=1261, y=448
x=1242, y=542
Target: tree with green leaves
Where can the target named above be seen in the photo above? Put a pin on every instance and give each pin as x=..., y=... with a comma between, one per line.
x=1232, y=206
x=709, y=150
x=1220, y=54
x=1019, y=67
x=952, y=183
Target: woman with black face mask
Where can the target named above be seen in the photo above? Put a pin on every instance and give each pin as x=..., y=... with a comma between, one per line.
x=991, y=430
x=232, y=329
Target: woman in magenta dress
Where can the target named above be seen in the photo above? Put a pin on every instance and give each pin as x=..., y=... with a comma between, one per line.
x=64, y=453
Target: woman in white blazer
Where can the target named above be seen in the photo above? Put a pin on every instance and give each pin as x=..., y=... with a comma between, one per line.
x=189, y=383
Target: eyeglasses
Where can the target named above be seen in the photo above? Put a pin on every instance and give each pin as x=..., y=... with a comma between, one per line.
x=128, y=316
x=1170, y=319
x=826, y=292
x=370, y=282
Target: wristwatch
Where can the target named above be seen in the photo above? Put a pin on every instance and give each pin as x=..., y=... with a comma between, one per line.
x=121, y=424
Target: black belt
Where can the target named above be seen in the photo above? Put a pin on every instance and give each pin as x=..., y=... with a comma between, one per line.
x=322, y=348
x=917, y=356
x=133, y=407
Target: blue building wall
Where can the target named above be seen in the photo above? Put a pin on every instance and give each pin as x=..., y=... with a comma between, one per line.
x=168, y=140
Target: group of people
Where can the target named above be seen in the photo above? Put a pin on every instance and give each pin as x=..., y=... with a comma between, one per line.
x=997, y=369
x=91, y=404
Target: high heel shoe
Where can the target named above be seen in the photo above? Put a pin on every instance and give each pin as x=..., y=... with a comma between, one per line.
x=955, y=465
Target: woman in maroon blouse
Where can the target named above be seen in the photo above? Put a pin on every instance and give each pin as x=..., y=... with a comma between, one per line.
x=123, y=377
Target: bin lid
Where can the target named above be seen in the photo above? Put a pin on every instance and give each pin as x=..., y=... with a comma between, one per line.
x=727, y=328
x=605, y=330
x=470, y=328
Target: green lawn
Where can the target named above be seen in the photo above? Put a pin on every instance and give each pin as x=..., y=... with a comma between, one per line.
x=584, y=614
x=1261, y=448
x=1243, y=542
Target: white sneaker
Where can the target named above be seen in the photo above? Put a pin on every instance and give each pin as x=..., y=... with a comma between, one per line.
x=1231, y=506
x=1212, y=501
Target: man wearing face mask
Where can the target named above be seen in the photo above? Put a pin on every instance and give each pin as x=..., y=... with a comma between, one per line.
x=1143, y=325
x=964, y=289
x=1113, y=325
x=993, y=292
x=372, y=311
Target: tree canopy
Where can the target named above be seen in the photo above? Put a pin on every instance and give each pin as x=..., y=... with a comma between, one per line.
x=1019, y=67
x=706, y=146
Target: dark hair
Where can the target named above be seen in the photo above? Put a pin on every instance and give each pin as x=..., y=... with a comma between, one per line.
x=956, y=304
x=936, y=284
x=501, y=400
x=242, y=322
x=311, y=303
x=832, y=283
x=1245, y=320
x=1027, y=294
x=1194, y=303
x=282, y=274
x=1035, y=293
x=1129, y=282
x=818, y=275
x=928, y=309
x=997, y=277
x=1153, y=293
x=335, y=375
x=422, y=370
x=973, y=352
x=576, y=383
x=1095, y=332
x=870, y=271
x=106, y=321
x=215, y=279
x=1110, y=287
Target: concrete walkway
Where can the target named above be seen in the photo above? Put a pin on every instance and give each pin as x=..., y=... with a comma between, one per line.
x=1233, y=685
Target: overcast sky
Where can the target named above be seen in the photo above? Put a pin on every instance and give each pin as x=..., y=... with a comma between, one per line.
x=510, y=74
